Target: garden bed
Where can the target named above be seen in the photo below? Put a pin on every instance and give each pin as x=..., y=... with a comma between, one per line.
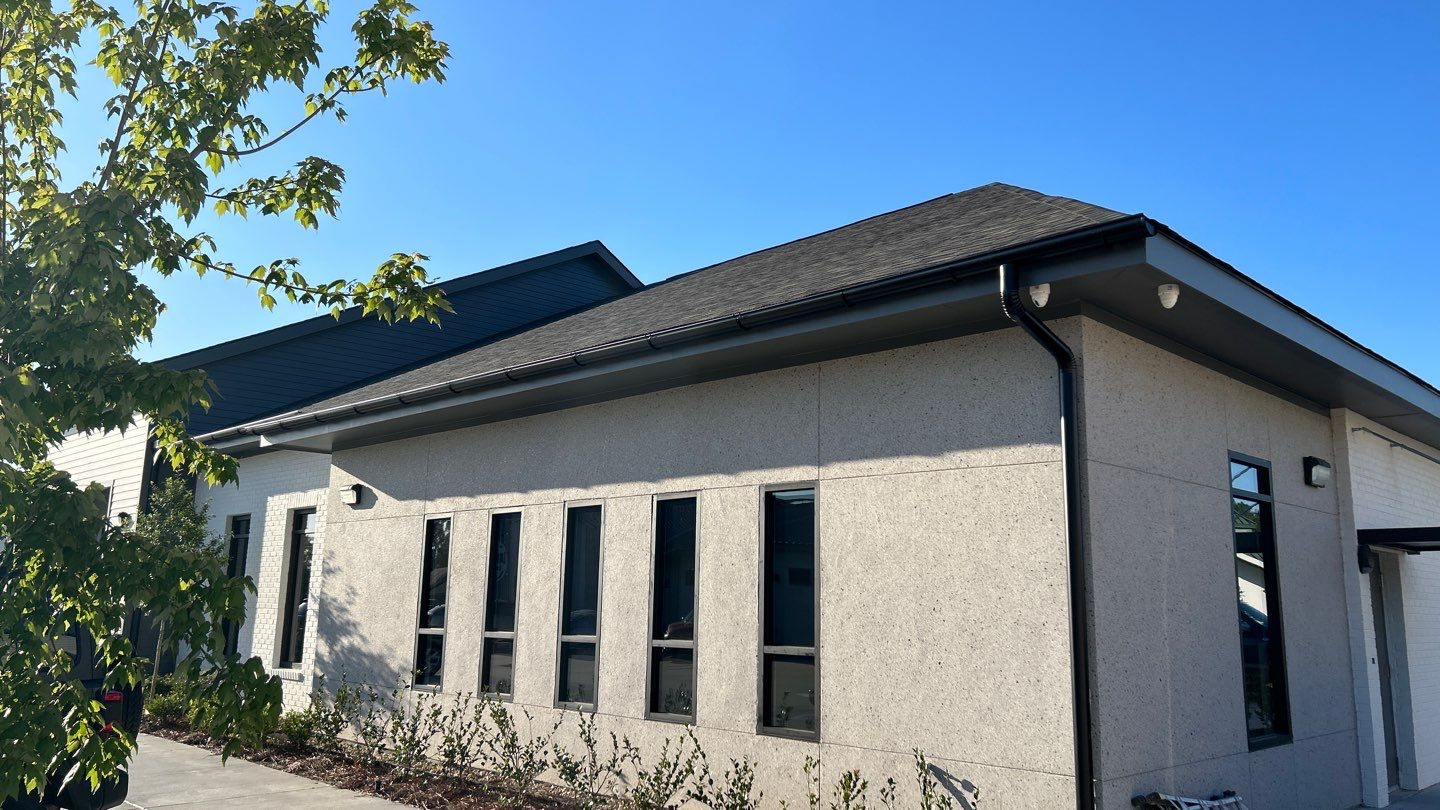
x=337, y=767
x=470, y=752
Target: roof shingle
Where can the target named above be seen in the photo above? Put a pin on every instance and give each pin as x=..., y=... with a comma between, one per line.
x=949, y=228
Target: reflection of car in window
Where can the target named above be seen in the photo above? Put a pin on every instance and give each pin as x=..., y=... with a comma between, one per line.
x=682, y=628
x=121, y=711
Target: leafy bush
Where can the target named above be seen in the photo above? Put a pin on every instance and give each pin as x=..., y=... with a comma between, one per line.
x=733, y=790
x=334, y=715
x=412, y=728
x=298, y=728
x=516, y=763
x=931, y=796
x=168, y=708
x=849, y=793
x=590, y=775
x=463, y=732
x=656, y=787
x=372, y=726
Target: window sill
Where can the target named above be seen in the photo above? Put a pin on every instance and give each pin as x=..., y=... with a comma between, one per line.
x=678, y=719
x=789, y=733
x=289, y=674
x=1270, y=741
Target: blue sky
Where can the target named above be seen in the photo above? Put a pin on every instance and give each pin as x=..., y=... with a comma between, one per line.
x=1297, y=141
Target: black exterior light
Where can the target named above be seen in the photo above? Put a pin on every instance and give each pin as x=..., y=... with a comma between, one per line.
x=1317, y=472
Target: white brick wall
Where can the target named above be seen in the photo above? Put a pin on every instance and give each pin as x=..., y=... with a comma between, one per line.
x=1395, y=488
x=272, y=486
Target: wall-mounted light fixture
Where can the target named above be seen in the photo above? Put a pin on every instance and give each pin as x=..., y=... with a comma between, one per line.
x=1169, y=294
x=1040, y=295
x=1317, y=471
x=350, y=494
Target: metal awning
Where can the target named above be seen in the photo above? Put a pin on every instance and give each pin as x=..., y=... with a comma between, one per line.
x=1410, y=540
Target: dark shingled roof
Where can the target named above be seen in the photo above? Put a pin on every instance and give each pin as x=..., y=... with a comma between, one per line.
x=956, y=226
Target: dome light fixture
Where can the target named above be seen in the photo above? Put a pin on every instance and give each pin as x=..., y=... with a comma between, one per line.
x=1169, y=294
x=1040, y=295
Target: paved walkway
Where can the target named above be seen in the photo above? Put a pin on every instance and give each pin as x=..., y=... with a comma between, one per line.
x=171, y=775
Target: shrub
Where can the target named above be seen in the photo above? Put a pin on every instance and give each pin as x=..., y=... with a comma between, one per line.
x=333, y=715
x=733, y=790
x=372, y=726
x=515, y=763
x=590, y=775
x=849, y=792
x=168, y=708
x=657, y=786
x=931, y=796
x=412, y=728
x=462, y=736
x=298, y=728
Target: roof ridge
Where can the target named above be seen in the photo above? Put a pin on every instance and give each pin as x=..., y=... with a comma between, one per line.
x=808, y=237
x=1049, y=199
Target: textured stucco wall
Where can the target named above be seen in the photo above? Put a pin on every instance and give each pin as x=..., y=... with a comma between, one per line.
x=271, y=488
x=1393, y=488
x=942, y=573
x=115, y=459
x=1169, y=695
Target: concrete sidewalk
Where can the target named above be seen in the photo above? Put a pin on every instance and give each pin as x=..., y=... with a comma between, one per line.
x=172, y=775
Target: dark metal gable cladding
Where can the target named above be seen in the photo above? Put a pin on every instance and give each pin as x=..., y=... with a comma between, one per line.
x=288, y=367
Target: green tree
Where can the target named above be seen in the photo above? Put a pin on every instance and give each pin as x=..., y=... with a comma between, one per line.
x=175, y=523
x=187, y=74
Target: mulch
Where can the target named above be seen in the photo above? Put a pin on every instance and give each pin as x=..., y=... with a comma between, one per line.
x=424, y=790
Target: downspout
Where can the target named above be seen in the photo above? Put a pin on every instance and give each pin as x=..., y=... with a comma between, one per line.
x=1015, y=310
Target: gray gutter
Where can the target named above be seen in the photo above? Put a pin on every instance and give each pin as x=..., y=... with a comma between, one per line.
x=1135, y=226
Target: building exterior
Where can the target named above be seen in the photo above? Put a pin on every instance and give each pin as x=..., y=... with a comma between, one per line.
x=1389, y=483
x=283, y=368
x=818, y=501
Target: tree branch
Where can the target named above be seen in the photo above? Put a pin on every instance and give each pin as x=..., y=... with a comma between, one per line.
x=130, y=96
x=233, y=273
x=235, y=153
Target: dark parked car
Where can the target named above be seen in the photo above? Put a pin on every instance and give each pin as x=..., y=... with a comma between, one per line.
x=122, y=710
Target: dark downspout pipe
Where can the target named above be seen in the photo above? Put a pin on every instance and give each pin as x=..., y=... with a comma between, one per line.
x=1015, y=310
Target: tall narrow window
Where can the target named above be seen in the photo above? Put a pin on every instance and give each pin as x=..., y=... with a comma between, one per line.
x=497, y=656
x=434, y=582
x=789, y=692
x=235, y=568
x=297, y=588
x=1262, y=644
x=672, y=611
x=579, y=610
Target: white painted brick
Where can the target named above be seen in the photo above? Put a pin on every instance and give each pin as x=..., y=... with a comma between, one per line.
x=271, y=488
x=1396, y=488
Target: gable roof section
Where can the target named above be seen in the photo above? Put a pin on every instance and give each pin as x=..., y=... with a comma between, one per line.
x=949, y=228
x=284, y=368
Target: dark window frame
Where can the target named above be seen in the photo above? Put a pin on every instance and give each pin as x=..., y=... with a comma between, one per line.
x=420, y=603
x=762, y=649
x=1275, y=622
x=291, y=599
x=654, y=645
x=562, y=638
x=235, y=567
x=487, y=635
